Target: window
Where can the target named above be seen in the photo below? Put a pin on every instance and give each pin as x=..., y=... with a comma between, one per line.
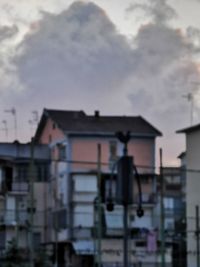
x=61, y=200
x=2, y=238
x=114, y=219
x=62, y=152
x=60, y=219
x=108, y=183
x=169, y=203
x=113, y=150
x=22, y=173
x=54, y=125
x=36, y=240
x=169, y=224
x=113, y=153
x=42, y=172
x=8, y=176
x=85, y=183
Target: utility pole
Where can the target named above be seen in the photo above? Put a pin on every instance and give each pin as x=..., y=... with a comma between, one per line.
x=17, y=220
x=190, y=98
x=125, y=187
x=162, y=212
x=125, y=221
x=31, y=126
x=31, y=203
x=197, y=235
x=56, y=228
x=99, y=211
x=126, y=172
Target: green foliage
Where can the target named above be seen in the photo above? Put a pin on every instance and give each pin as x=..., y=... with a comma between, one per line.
x=42, y=259
x=13, y=256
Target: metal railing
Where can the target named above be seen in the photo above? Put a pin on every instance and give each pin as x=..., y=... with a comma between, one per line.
x=13, y=217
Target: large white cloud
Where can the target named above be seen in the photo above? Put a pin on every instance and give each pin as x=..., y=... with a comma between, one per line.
x=166, y=69
x=78, y=52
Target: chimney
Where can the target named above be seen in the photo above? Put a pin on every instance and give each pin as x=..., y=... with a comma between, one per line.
x=96, y=114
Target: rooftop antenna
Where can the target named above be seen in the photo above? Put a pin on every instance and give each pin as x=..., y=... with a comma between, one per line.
x=35, y=116
x=31, y=126
x=13, y=112
x=191, y=97
x=34, y=121
x=5, y=128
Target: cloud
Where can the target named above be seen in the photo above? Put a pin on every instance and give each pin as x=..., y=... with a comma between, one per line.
x=79, y=52
x=159, y=10
x=166, y=69
x=193, y=34
x=165, y=74
x=7, y=70
x=7, y=32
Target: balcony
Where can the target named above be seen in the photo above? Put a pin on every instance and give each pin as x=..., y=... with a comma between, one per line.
x=13, y=218
x=147, y=199
x=14, y=187
x=19, y=187
x=139, y=234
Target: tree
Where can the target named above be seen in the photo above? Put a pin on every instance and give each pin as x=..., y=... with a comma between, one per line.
x=13, y=256
x=42, y=259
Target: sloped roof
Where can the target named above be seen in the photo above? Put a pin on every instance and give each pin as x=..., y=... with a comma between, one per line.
x=181, y=155
x=79, y=122
x=189, y=129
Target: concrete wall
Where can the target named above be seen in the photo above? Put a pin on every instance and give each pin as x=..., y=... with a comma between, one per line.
x=192, y=192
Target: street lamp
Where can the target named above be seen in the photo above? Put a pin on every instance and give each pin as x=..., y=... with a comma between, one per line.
x=126, y=172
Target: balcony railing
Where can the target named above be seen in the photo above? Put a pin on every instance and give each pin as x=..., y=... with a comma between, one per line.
x=12, y=217
x=147, y=198
x=21, y=187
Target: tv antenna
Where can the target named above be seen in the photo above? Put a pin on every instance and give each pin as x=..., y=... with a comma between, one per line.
x=5, y=128
x=13, y=112
x=191, y=97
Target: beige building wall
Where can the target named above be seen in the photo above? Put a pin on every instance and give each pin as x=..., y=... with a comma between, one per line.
x=192, y=193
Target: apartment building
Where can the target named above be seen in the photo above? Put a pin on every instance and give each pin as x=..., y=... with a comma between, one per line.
x=174, y=212
x=15, y=203
x=72, y=209
x=192, y=163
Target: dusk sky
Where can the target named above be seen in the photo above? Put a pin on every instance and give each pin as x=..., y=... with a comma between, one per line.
x=120, y=57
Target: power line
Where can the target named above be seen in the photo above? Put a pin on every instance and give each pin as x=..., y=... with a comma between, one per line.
x=181, y=169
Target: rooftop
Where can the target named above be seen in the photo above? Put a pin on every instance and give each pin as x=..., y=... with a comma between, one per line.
x=79, y=122
x=189, y=129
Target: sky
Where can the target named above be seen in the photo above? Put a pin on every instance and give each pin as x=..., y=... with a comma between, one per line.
x=119, y=57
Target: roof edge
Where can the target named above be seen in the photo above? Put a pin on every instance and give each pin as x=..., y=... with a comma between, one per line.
x=155, y=129
x=189, y=129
